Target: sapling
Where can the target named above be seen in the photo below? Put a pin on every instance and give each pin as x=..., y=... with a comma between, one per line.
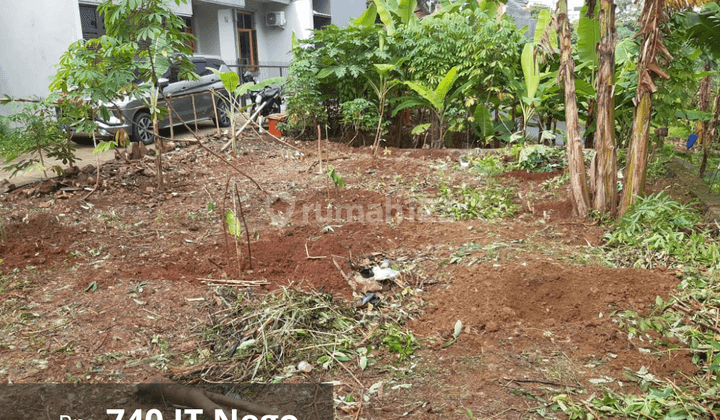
x=231, y=82
x=38, y=135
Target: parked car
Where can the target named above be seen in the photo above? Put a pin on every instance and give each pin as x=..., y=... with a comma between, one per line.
x=136, y=119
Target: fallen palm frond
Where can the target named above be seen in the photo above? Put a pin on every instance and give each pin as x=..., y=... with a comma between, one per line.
x=266, y=339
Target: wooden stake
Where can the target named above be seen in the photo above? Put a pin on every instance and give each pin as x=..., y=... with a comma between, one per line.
x=320, y=168
x=172, y=126
x=217, y=120
x=194, y=111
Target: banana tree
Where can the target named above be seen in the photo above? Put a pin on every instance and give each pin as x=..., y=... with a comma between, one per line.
x=381, y=86
x=652, y=18
x=438, y=100
x=578, y=187
x=704, y=31
x=604, y=167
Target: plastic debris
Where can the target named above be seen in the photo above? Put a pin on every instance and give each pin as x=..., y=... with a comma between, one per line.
x=384, y=273
x=369, y=297
x=304, y=367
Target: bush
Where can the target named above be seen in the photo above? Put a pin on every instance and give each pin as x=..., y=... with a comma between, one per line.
x=30, y=136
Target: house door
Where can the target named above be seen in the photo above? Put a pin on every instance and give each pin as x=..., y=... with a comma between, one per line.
x=247, y=40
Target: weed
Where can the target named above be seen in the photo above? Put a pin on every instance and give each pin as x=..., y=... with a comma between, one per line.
x=463, y=252
x=465, y=202
x=336, y=178
x=489, y=164
x=658, y=229
x=402, y=343
x=540, y=158
x=554, y=184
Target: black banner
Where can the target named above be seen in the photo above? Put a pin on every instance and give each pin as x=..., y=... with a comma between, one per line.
x=165, y=401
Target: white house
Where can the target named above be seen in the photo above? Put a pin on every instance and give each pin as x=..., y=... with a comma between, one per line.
x=252, y=34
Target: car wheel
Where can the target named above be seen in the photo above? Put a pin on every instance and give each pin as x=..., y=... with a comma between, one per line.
x=223, y=118
x=143, y=128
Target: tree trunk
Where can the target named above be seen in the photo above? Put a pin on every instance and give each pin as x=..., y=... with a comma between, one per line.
x=712, y=129
x=648, y=68
x=159, y=146
x=591, y=117
x=578, y=185
x=605, y=174
x=704, y=104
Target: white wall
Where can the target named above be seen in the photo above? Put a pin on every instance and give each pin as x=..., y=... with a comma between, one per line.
x=206, y=30
x=183, y=9
x=34, y=34
x=343, y=10
x=227, y=30
x=275, y=43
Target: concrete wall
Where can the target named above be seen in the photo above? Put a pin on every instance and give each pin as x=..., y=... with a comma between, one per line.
x=206, y=30
x=181, y=10
x=275, y=43
x=34, y=34
x=227, y=30
x=343, y=10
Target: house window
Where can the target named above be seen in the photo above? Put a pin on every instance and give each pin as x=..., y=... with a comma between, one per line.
x=247, y=39
x=91, y=21
x=189, y=29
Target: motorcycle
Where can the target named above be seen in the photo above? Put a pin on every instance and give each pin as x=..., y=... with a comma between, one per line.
x=266, y=101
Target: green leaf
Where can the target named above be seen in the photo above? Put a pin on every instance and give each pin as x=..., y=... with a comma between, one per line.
x=241, y=90
x=383, y=69
x=104, y=146
x=233, y=224
x=484, y=121
x=543, y=21
x=426, y=93
x=324, y=73
x=384, y=12
x=420, y=128
x=447, y=82
x=5, y=100
x=366, y=19
x=409, y=103
x=530, y=71
x=406, y=11
x=489, y=7
x=336, y=178
x=588, y=38
x=229, y=79
x=583, y=88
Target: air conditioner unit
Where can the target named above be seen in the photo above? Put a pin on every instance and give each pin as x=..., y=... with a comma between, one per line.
x=275, y=19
